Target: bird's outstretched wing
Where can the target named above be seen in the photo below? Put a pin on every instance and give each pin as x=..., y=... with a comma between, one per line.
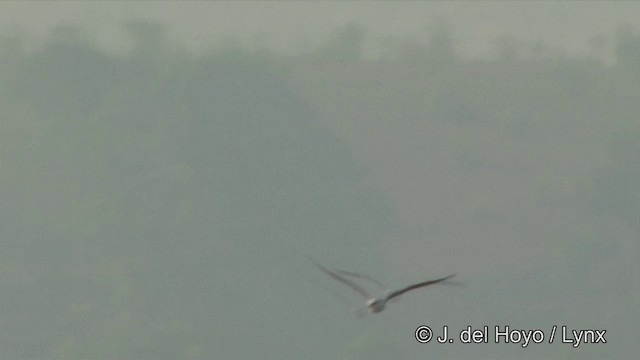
x=416, y=286
x=361, y=276
x=343, y=280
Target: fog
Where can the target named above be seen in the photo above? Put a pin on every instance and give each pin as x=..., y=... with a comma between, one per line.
x=163, y=181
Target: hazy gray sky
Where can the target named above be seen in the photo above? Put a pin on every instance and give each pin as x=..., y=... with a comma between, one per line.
x=157, y=201
x=300, y=26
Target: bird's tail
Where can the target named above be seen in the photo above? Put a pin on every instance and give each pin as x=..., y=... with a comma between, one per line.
x=360, y=312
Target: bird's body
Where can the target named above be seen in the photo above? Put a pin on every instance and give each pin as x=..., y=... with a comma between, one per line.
x=375, y=305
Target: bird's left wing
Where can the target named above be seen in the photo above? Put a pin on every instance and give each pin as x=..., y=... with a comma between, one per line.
x=343, y=280
x=361, y=276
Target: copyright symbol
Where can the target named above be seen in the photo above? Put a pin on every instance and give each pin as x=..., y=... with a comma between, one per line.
x=424, y=334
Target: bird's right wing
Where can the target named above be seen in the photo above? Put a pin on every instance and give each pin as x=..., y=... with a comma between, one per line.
x=343, y=280
x=416, y=286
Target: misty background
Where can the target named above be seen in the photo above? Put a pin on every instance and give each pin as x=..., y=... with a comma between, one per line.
x=163, y=176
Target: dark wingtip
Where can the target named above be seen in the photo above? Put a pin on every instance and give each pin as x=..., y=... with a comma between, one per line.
x=448, y=277
x=313, y=261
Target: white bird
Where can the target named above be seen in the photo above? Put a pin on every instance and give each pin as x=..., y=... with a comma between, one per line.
x=375, y=305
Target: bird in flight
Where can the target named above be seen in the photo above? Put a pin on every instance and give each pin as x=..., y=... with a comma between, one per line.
x=374, y=305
